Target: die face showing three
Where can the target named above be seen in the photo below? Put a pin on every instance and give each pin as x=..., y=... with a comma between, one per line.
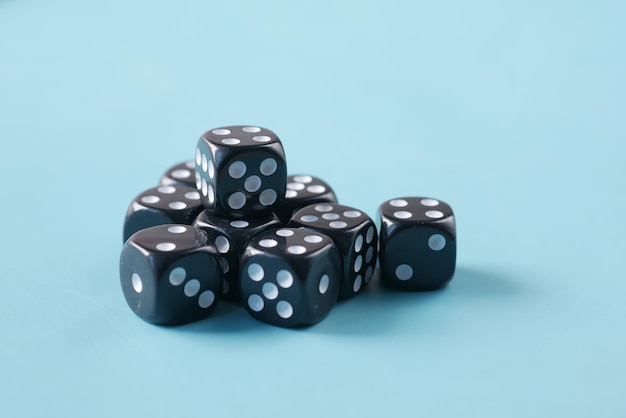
x=170, y=274
x=290, y=277
x=180, y=174
x=241, y=169
x=417, y=243
x=162, y=205
x=304, y=190
x=354, y=234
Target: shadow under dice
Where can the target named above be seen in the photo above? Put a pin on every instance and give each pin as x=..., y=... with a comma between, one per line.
x=290, y=277
x=170, y=274
x=172, y=204
x=241, y=169
x=181, y=174
x=417, y=243
x=354, y=234
x=304, y=190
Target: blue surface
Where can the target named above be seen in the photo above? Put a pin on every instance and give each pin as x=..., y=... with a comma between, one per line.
x=511, y=112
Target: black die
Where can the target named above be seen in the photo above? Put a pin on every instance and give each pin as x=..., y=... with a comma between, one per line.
x=231, y=237
x=304, y=190
x=417, y=243
x=290, y=277
x=241, y=169
x=170, y=274
x=354, y=234
x=162, y=205
x=181, y=174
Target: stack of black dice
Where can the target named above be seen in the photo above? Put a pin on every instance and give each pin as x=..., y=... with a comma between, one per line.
x=232, y=224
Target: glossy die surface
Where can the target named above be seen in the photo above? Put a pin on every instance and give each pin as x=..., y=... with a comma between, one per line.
x=290, y=277
x=181, y=174
x=417, y=243
x=241, y=169
x=304, y=190
x=173, y=204
x=170, y=274
x=354, y=234
x=231, y=237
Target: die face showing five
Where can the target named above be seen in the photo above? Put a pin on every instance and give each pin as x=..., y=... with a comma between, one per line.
x=162, y=205
x=241, y=169
x=170, y=274
x=354, y=234
x=290, y=277
x=182, y=174
x=417, y=243
x=304, y=190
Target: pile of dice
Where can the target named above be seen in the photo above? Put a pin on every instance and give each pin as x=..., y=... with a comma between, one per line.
x=233, y=225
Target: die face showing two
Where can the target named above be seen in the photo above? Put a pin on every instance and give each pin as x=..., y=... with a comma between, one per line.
x=290, y=277
x=181, y=174
x=162, y=205
x=354, y=234
x=241, y=169
x=170, y=274
x=304, y=190
x=417, y=243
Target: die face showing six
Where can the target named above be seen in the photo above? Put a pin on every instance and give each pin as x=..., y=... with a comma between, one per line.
x=417, y=243
x=290, y=277
x=231, y=237
x=162, y=205
x=241, y=169
x=170, y=274
x=354, y=234
x=182, y=174
x=304, y=190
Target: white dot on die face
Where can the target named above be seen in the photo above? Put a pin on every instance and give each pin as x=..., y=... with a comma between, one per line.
x=206, y=299
x=398, y=203
x=357, y=283
x=135, y=280
x=198, y=181
x=404, y=272
x=313, y=239
x=296, y=249
x=402, y=214
x=210, y=168
x=230, y=141
x=267, y=197
x=370, y=234
x=352, y=214
x=177, y=229
x=150, y=199
x=220, y=131
x=270, y=291
x=435, y=214
x=323, y=208
x=324, y=282
x=256, y=272
x=316, y=188
x=252, y=184
x=177, y=276
x=369, y=255
x=284, y=278
x=189, y=165
x=225, y=265
x=268, y=243
x=191, y=288
x=358, y=243
x=338, y=224
x=181, y=174
x=309, y=218
x=239, y=224
x=167, y=189
x=303, y=179
x=290, y=194
x=268, y=166
x=330, y=216
x=192, y=195
x=368, y=274
x=204, y=187
x=284, y=309
x=210, y=193
x=251, y=129
x=177, y=205
x=204, y=162
x=436, y=242
x=255, y=302
x=237, y=200
x=222, y=244
x=295, y=186
x=358, y=263
x=225, y=286
x=261, y=138
x=284, y=232
x=198, y=156
x=165, y=246
x=429, y=202
x=237, y=169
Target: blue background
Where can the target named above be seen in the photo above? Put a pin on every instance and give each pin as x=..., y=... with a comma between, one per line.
x=512, y=112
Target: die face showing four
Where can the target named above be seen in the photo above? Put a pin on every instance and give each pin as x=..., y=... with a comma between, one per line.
x=290, y=277
x=162, y=205
x=181, y=174
x=241, y=169
x=170, y=274
x=354, y=234
x=417, y=243
x=231, y=237
x=304, y=190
